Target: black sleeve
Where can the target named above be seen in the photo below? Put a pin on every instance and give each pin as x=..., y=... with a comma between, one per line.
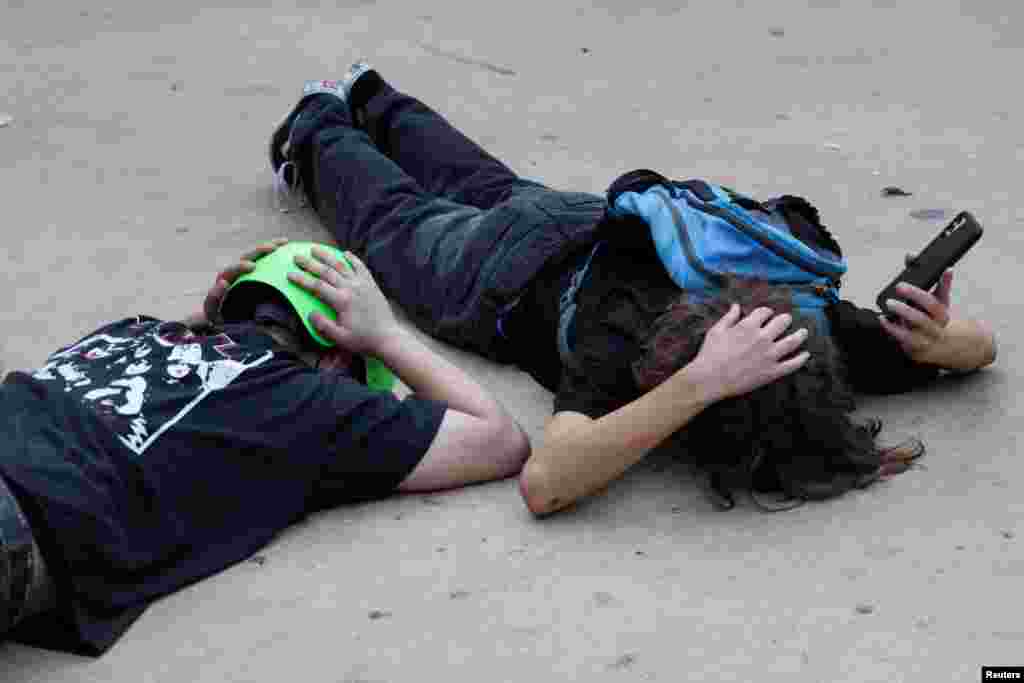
x=346, y=442
x=875, y=362
x=376, y=442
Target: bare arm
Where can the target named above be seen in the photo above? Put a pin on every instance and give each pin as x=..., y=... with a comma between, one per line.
x=579, y=456
x=432, y=376
x=478, y=440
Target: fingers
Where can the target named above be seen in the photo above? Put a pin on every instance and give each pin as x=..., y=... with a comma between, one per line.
x=790, y=343
x=328, y=259
x=761, y=318
x=342, y=265
x=944, y=289
x=319, y=286
x=729, y=319
x=914, y=340
x=914, y=330
x=930, y=305
x=212, y=302
x=224, y=279
x=910, y=315
x=357, y=265
x=235, y=271
x=326, y=272
x=265, y=248
x=910, y=339
x=758, y=317
x=783, y=368
x=247, y=263
x=325, y=280
x=777, y=325
x=327, y=328
x=219, y=289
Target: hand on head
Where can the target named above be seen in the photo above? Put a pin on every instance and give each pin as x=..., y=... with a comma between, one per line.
x=740, y=355
x=920, y=329
x=364, y=319
x=224, y=279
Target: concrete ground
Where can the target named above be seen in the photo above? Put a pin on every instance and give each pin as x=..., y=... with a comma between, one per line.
x=133, y=166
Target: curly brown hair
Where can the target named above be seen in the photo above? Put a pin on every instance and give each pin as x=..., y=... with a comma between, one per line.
x=795, y=435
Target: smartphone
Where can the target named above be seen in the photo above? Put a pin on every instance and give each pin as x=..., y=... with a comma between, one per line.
x=925, y=269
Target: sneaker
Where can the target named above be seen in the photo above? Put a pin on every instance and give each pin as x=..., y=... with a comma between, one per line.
x=280, y=139
x=354, y=73
x=287, y=183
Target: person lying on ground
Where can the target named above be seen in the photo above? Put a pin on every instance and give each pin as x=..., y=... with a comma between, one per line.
x=579, y=298
x=151, y=453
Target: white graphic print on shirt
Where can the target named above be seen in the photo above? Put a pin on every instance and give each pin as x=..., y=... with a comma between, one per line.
x=115, y=375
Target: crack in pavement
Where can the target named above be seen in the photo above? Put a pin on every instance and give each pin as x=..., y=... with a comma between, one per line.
x=455, y=57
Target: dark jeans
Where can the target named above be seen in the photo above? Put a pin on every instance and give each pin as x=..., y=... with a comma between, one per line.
x=450, y=233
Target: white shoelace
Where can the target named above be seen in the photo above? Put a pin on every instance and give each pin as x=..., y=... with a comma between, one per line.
x=288, y=195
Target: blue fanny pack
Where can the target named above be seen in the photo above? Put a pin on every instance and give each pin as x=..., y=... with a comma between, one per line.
x=704, y=232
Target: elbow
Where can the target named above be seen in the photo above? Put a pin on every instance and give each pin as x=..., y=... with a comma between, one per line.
x=509, y=448
x=515, y=445
x=990, y=357
x=533, y=487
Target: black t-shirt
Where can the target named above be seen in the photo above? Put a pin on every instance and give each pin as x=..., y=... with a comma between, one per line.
x=624, y=292
x=148, y=457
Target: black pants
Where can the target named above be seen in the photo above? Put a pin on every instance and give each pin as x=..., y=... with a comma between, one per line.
x=450, y=233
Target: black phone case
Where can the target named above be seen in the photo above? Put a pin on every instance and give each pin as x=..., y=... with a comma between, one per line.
x=941, y=253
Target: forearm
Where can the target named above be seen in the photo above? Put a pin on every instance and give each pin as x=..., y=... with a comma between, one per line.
x=966, y=345
x=578, y=460
x=433, y=377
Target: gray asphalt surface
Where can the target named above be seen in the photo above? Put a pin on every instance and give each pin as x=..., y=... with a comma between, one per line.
x=133, y=167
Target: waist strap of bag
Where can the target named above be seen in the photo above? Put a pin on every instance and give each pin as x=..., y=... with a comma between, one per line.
x=25, y=585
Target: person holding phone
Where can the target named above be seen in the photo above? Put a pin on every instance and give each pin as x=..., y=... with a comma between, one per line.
x=486, y=260
x=152, y=453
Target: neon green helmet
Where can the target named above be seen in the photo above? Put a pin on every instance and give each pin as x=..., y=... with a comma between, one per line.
x=271, y=271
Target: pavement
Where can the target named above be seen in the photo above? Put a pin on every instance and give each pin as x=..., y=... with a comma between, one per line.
x=133, y=167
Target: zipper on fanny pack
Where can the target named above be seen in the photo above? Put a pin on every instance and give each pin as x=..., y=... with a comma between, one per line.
x=740, y=223
x=684, y=236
